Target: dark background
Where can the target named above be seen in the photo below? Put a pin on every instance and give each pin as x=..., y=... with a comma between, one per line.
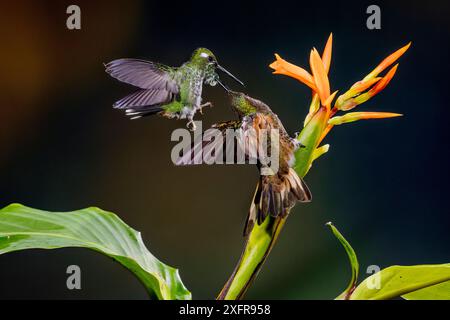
x=384, y=183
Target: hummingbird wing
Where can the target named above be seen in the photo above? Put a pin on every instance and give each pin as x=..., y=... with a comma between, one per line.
x=275, y=194
x=143, y=98
x=216, y=146
x=143, y=74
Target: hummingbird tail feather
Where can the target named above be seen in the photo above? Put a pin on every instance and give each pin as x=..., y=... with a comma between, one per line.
x=144, y=99
x=276, y=195
x=142, y=103
x=139, y=112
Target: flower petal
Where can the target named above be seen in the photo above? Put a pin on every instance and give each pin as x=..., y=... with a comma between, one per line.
x=384, y=82
x=313, y=108
x=320, y=76
x=320, y=151
x=360, y=86
x=326, y=55
x=355, y=116
x=387, y=62
x=330, y=98
x=281, y=66
x=325, y=132
x=348, y=101
x=345, y=102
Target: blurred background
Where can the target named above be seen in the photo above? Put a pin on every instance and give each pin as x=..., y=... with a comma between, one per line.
x=384, y=183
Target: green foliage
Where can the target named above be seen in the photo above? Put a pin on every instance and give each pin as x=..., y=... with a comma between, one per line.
x=421, y=282
x=92, y=228
x=398, y=281
x=353, y=262
x=439, y=291
x=258, y=244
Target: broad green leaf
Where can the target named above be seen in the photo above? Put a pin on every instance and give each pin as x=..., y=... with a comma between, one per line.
x=396, y=281
x=351, y=257
x=437, y=292
x=92, y=228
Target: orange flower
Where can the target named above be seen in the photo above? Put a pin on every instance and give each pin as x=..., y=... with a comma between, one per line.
x=320, y=77
x=356, y=95
x=320, y=66
x=387, y=62
x=326, y=55
x=359, y=93
x=384, y=81
x=281, y=66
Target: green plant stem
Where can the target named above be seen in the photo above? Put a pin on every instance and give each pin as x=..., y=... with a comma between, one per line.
x=263, y=237
x=256, y=250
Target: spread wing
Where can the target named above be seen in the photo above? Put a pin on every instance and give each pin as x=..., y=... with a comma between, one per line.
x=143, y=98
x=156, y=83
x=221, y=145
x=143, y=74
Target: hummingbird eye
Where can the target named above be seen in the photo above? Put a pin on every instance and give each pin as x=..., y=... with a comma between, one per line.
x=210, y=59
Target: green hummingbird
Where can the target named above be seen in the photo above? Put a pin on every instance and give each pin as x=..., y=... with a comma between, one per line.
x=172, y=92
x=275, y=193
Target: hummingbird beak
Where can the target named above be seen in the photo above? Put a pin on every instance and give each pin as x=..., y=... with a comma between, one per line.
x=223, y=86
x=230, y=75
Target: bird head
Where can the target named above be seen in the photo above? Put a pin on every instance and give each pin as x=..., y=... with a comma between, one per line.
x=242, y=103
x=204, y=59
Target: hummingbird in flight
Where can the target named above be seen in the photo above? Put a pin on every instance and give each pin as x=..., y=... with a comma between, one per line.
x=171, y=92
x=276, y=193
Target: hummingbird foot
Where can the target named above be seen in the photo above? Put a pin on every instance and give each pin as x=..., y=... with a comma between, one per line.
x=297, y=144
x=169, y=115
x=207, y=104
x=191, y=125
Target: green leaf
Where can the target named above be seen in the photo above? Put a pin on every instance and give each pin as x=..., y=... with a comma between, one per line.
x=92, y=228
x=437, y=292
x=351, y=257
x=397, y=281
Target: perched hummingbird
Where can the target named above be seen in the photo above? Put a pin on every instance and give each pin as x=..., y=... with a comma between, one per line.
x=277, y=193
x=168, y=91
